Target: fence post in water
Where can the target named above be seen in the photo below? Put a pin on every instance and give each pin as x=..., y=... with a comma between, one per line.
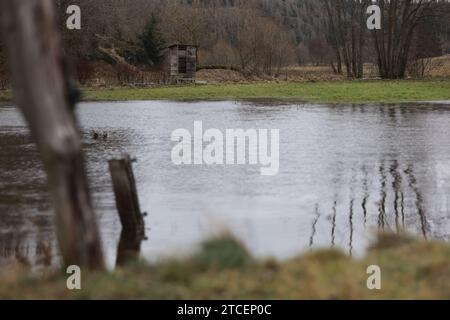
x=43, y=95
x=131, y=218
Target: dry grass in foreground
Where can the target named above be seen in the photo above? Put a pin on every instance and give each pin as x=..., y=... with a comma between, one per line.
x=223, y=269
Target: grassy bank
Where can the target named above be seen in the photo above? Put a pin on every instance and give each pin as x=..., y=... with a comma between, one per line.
x=333, y=92
x=322, y=91
x=224, y=270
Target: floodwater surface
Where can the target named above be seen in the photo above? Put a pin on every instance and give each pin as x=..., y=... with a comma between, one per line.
x=345, y=173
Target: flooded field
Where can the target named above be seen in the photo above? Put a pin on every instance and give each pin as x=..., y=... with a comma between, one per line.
x=345, y=172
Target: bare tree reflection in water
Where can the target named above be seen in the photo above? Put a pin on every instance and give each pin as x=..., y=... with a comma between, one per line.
x=391, y=180
x=396, y=185
x=314, y=225
x=333, y=224
x=337, y=182
x=382, y=205
x=366, y=194
x=418, y=201
x=22, y=254
x=350, y=244
x=44, y=253
x=27, y=250
x=402, y=204
x=13, y=249
x=351, y=210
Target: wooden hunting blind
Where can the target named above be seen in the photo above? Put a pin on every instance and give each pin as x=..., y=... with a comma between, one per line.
x=182, y=62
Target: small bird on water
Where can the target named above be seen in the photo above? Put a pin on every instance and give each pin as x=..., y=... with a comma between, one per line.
x=96, y=135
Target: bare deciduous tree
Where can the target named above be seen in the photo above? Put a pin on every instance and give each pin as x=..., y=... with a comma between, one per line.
x=346, y=33
x=400, y=18
x=263, y=46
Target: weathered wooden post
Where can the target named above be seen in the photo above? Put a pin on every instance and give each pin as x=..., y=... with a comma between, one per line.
x=129, y=247
x=127, y=202
x=41, y=92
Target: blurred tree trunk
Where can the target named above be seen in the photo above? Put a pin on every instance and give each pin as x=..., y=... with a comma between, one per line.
x=42, y=94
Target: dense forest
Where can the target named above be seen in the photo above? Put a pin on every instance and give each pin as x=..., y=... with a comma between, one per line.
x=253, y=36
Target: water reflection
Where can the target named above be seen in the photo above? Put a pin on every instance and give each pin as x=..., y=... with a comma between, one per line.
x=418, y=200
x=350, y=243
x=382, y=204
x=345, y=172
x=314, y=224
x=389, y=216
x=333, y=225
x=396, y=186
x=366, y=194
x=27, y=251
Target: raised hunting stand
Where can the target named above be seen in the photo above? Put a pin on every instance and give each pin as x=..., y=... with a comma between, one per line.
x=182, y=62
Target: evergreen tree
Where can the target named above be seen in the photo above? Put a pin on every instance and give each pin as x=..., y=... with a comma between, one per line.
x=153, y=43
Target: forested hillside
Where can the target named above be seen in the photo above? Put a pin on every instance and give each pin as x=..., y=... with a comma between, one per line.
x=253, y=36
x=215, y=25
